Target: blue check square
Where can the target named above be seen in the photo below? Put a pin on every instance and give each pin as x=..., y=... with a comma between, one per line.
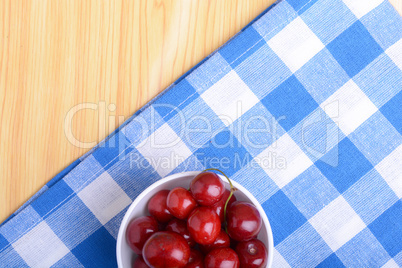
x=68, y=260
x=370, y=196
x=398, y=259
x=17, y=227
x=113, y=225
x=352, y=165
x=318, y=135
x=257, y=129
x=242, y=46
x=393, y=112
x=390, y=238
x=363, y=250
x=208, y=73
x=380, y=87
x=310, y=192
x=172, y=102
x=354, y=49
x=386, y=30
x=133, y=166
x=142, y=125
x=3, y=242
x=322, y=76
x=267, y=25
x=77, y=179
x=267, y=186
x=223, y=150
x=304, y=248
x=190, y=164
x=72, y=219
x=328, y=21
x=376, y=138
x=114, y=149
x=280, y=210
x=289, y=102
x=196, y=124
x=12, y=258
x=301, y=5
x=263, y=71
x=331, y=261
x=56, y=195
x=100, y=244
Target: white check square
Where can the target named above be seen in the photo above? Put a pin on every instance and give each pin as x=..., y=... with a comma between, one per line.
x=354, y=107
x=104, y=198
x=230, y=98
x=395, y=53
x=283, y=161
x=40, y=247
x=296, y=44
x=362, y=7
x=390, y=264
x=164, y=150
x=337, y=223
x=390, y=169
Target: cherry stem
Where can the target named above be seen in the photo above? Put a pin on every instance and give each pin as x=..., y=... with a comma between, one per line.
x=232, y=189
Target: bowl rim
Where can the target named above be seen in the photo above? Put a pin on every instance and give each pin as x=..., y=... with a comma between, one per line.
x=175, y=176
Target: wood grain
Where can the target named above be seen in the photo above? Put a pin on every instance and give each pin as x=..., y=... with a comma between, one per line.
x=56, y=54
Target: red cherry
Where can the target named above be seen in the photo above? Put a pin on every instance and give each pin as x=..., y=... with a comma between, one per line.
x=139, y=263
x=207, y=188
x=252, y=254
x=222, y=241
x=204, y=225
x=243, y=221
x=180, y=227
x=220, y=205
x=138, y=232
x=166, y=249
x=222, y=258
x=180, y=203
x=196, y=260
x=157, y=206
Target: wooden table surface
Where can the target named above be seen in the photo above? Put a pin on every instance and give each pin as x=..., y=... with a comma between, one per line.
x=112, y=57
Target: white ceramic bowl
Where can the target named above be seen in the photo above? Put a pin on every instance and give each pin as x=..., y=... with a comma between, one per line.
x=139, y=208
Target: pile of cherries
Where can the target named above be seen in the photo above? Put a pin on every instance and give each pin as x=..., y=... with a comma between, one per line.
x=201, y=227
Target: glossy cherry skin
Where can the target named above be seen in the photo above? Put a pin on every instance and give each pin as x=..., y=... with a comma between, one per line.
x=204, y=225
x=157, y=206
x=138, y=232
x=220, y=205
x=207, y=188
x=252, y=254
x=243, y=221
x=222, y=258
x=139, y=263
x=196, y=259
x=166, y=249
x=222, y=241
x=180, y=203
x=180, y=227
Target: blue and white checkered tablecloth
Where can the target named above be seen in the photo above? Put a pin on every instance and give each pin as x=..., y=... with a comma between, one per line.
x=302, y=107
